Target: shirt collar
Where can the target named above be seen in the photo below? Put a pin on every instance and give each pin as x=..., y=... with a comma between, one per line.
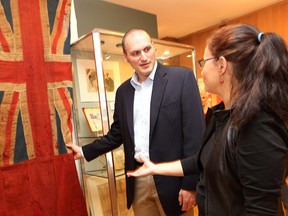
x=134, y=80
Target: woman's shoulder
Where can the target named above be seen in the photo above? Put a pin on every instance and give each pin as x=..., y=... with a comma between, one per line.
x=266, y=124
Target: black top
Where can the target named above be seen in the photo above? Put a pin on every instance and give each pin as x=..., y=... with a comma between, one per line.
x=241, y=173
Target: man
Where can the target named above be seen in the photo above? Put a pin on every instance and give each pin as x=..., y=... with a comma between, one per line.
x=158, y=114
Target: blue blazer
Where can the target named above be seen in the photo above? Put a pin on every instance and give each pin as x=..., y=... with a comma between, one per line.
x=176, y=129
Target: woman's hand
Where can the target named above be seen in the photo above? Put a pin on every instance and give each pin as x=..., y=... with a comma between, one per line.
x=172, y=168
x=146, y=169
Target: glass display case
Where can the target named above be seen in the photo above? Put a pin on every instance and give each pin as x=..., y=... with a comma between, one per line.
x=98, y=70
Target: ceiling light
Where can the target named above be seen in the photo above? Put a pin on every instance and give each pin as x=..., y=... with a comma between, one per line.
x=167, y=52
x=107, y=56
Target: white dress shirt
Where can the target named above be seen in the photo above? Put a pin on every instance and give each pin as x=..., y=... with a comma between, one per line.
x=141, y=113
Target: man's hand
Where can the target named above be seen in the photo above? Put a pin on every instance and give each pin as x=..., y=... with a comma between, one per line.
x=77, y=151
x=187, y=199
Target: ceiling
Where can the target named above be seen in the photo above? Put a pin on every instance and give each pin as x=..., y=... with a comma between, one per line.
x=178, y=18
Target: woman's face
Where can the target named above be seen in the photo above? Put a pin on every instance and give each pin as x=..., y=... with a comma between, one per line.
x=210, y=73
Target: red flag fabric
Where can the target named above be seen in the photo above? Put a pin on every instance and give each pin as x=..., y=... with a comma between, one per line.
x=38, y=176
x=41, y=186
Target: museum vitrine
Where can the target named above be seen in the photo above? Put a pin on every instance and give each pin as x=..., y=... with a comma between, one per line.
x=98, y=70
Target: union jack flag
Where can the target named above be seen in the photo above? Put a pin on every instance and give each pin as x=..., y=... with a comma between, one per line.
x=35, y=79
x=36, y=176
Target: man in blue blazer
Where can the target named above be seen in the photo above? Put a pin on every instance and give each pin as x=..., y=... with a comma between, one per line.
x=158, y=114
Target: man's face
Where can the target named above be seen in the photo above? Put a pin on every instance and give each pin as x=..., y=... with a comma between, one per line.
x=140, y=53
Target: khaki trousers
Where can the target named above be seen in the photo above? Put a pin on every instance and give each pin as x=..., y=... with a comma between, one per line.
x=146, y=200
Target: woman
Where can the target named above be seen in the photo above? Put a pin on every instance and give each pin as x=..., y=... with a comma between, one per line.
x=243, y=160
